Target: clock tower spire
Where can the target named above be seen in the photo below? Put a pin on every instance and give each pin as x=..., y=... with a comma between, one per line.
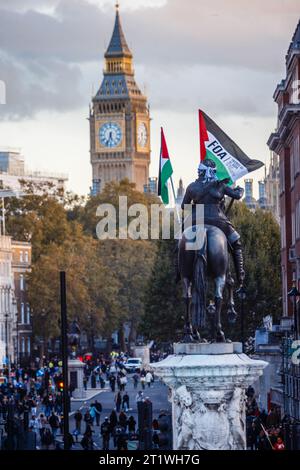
x=119, y=120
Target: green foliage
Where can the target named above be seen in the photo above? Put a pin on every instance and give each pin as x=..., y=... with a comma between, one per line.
x=164, y=309
x=260, y=236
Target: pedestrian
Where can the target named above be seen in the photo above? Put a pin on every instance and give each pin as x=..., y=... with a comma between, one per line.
x=87, y=440
x=78, y=418
x=113, y=419
x=105, y=432
x=123, y=382
x=112, y=382
x=98, y=408
x=139, y=396
x=148, y=378
x=125, y=402
x=118, y=401
x=54, y=423
x=279, y=444
x=85, y=381
x=135, y=379
x=131, y=424
x=123, y=420
x=47, y=438
x=143, y=380
x=87, y=419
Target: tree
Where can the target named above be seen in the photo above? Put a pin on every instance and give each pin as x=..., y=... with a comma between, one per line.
x=91, y=288
x=164, y=310
x=260, y=236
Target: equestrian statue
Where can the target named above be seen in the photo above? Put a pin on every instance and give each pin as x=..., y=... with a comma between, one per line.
x=211, y=259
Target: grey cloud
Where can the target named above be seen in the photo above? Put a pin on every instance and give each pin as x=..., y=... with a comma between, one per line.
x=39, y=86
x=50, y=54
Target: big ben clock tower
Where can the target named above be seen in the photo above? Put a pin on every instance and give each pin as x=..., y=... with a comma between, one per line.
x=119, y=120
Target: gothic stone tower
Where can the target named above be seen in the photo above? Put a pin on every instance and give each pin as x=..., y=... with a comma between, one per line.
x=119, y=120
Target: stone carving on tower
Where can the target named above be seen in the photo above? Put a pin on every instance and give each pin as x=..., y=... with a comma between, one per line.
x=119, y=120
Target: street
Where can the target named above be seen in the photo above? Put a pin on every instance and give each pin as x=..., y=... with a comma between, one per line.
x=158, y=394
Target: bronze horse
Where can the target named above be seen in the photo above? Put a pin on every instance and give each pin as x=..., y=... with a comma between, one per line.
x=209, y=257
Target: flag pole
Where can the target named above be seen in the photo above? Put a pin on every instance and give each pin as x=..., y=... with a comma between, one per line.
x=176, y=208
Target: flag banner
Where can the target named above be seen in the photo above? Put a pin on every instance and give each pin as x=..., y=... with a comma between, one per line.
x=165, y=170
x=230, y=160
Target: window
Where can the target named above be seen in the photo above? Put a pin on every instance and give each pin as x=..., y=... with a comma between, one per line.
x=293, y=228
x=28, y=346
x=21, y=256
x=27, y=314
x=26, y=256
x=22, y=313
x=23, y=345
x=297, y=220
x=22, y=282
x=282, y=230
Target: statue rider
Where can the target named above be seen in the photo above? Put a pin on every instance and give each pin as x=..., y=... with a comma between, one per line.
x=210, y=191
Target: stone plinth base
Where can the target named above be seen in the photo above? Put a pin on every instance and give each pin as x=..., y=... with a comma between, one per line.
x=208, y=383
x=75, y=370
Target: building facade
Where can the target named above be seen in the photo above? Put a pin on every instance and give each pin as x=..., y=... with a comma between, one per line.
x=13, y=173
x=21, y=263
x=119, y=121
x=272, y=186
x=285, y=142
x=15, y=318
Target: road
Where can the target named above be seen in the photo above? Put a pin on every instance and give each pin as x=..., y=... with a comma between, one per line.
x=157, y=393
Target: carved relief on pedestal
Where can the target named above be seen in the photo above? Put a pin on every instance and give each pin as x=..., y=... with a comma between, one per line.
x=209, y=420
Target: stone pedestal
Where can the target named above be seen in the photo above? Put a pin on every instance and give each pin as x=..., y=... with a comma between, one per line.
x=208, y=383
x=75, y=370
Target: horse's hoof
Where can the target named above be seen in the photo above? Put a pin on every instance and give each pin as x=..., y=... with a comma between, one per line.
x=220, y=337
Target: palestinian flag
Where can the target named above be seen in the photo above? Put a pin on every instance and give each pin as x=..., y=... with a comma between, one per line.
x=165, y=170
x=230, y=160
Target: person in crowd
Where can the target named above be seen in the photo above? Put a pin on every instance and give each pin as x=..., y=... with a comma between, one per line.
x=279, y=445
x=118, y=401
x=148, y=378
x=131, y=424
x=139, y=396
x=112, y=382
x=88, y=419
x=78, y=418
x=123, y=420
x=98, y=408
x=54, y=423
x=47, y=438
x=135, y=379
x=125, y=402
x=113, y=419
x=87, y=440
x=105, y=433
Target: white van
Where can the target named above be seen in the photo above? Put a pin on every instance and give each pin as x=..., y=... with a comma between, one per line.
x=133, y=364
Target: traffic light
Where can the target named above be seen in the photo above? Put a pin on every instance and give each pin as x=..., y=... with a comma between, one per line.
x=165, y=431
x=60, y=386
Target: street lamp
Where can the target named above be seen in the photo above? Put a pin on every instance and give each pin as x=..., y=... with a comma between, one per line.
x=14, y=302
x=6, y=344
x=242, y=296
x=293, y=294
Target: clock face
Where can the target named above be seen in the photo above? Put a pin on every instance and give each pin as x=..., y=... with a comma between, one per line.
x=142, y=134
x=110, y=134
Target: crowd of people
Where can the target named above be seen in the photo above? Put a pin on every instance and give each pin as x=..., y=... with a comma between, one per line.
x=31, y=402
x=264, y=429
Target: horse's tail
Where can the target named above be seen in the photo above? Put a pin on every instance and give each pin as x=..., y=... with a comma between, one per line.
x=198, y=308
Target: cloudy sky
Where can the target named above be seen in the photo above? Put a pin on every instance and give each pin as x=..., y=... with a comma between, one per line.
x=225, y=56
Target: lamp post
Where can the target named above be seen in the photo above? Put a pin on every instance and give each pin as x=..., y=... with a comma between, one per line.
x=242, y=296
x=293, y=294
x=6, y=345
x=17, y=329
